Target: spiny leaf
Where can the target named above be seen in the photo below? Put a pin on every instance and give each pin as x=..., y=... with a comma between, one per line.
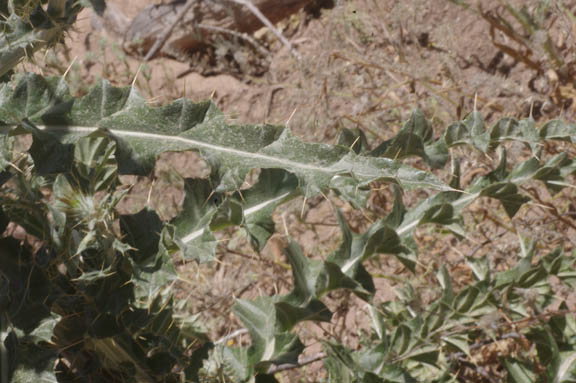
x=192, y=233
x=396, y=216
x=95, y=166
x=269, y=343
x=354, y=139
x=521, y=131
x=26, y=33
x=142, y=133
x=274, y=187
x=57, y=122
x=470, y=131
x=349, y=258
x=415, y=139
x=313, y=278
x=507, y=193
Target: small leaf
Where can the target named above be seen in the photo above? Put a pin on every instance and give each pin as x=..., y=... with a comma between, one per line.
x=192, y=232
x=396, y=216
x=507, y=194
x=377, y=321
x=351, y=190
x=274, y=187
x=566, y=372
x=558, y=130
x=440, y=214
x=229, y=213
x=353, y=139
x=511, y=129
x=401, y=337
x=268, y=345
x=460, y=342
x=446, y=283
x=519, y=372
x=94, y=163
x=466, y=299
x=480, y=267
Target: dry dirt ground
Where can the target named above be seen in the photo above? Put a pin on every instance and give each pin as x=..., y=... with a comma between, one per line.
x=366, y=64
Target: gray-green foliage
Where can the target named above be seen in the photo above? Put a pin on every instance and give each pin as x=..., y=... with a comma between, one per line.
x=28, y=26
x=99, y=286
x=426, y=344
x=91, y=299
x=44, y=108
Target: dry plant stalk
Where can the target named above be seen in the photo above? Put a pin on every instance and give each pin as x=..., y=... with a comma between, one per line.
x=173, y=29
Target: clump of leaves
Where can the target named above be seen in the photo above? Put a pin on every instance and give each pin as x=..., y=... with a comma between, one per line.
x=31, y=25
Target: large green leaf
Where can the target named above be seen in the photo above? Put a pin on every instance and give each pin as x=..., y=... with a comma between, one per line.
x=143, y=132
x=43, y=108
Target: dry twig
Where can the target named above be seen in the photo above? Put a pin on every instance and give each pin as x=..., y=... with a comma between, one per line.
x=159, y=43
x=256, y=12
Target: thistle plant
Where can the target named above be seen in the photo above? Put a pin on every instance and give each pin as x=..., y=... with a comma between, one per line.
x=85, y=292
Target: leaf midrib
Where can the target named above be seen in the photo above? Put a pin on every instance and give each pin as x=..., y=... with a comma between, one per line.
x=198, y=144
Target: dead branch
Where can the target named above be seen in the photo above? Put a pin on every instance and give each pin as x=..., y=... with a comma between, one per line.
x=264, y=20
x=169, y=29
x=241, y=16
